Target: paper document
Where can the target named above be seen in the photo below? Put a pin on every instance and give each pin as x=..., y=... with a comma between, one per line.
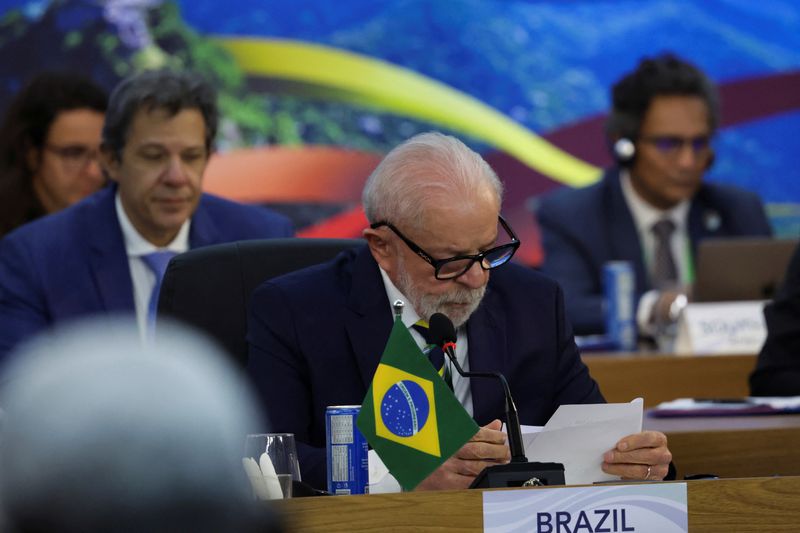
x=576, y=435
x=579, y=435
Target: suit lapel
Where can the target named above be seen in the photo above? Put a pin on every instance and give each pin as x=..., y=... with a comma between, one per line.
x=204, y=230
x=369, y=318
x=704, y=220
x=488, y=352
x=369, y=322
x=622, y=234
x=108, y=260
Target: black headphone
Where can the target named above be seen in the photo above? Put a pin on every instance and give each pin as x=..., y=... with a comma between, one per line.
x=624, y=152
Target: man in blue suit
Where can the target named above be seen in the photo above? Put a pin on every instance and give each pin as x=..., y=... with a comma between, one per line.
x=316, y=335
x=93, y=257
x=652, y=208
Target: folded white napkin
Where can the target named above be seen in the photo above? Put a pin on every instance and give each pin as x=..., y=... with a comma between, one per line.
x=263, y=478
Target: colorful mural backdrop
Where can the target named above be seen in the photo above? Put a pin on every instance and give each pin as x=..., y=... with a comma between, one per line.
x=313, y=92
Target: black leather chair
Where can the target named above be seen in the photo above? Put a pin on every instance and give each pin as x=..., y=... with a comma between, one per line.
x=209, y=288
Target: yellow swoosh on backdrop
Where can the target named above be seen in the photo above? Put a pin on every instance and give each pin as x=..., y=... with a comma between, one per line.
x=376, y=83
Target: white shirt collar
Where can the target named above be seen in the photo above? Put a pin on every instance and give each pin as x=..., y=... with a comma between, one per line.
x=461, y=386
x=644, y=214
x=410, y=316
x=136, y=245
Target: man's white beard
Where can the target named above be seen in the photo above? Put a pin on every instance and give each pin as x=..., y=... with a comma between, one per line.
x=427, y=304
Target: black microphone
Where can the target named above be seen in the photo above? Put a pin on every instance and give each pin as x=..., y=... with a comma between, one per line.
x=519, y=472
x=443, y=334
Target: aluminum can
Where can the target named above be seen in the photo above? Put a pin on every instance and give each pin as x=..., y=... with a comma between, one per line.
x=619, y=285
x=347, y=451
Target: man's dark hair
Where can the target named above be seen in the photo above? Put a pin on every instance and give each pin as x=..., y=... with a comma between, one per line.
x=663, y=75
x=26, y=125
x=158, y=89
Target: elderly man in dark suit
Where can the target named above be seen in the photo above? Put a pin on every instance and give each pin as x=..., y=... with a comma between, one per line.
x=107, y=253
x=436, y=241
x=653, y=207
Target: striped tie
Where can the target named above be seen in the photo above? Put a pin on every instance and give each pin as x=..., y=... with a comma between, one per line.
x=665, y=273
x=434, y=353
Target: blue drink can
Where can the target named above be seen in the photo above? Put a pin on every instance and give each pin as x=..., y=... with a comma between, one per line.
x=620, y=306
x=347, y=451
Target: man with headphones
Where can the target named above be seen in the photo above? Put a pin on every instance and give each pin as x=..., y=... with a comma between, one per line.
x=652, y=207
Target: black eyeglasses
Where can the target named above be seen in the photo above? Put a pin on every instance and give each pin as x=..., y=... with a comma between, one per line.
x=74, y=156
x=454, y=267
x=670, y=145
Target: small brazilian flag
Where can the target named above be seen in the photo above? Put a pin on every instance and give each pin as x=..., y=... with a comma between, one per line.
x=409, y=415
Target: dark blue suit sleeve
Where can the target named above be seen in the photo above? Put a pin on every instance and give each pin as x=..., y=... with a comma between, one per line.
x=540, y=359
x=285, y=228
x=282, y=378
x=777, y=371
x=574, y=384
x=568, y=261
x=747, y=214
x=23, y=310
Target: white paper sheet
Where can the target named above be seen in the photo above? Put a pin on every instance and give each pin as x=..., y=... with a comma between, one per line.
x=579, y=435
x=576, y=435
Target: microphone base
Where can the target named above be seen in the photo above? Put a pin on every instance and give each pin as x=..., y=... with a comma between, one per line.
x=519, y=475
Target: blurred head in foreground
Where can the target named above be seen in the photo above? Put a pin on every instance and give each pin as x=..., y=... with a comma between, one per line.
x=103, y=434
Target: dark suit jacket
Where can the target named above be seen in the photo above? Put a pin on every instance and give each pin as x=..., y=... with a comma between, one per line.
x=582, y=229
x=74, y=262
x=316, y=337
x=778, y=368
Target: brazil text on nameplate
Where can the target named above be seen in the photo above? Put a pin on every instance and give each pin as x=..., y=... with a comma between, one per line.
x=639, y=507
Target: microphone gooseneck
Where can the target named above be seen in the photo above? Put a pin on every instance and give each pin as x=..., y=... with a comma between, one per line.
x=443, y=334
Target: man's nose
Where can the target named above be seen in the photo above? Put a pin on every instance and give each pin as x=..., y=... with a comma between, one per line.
x=687, y=156
x=92, y=170
x=475, y=277
x=175, y=173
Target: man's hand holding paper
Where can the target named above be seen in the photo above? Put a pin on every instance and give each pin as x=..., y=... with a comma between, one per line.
x=488, y=447
x=639, y=456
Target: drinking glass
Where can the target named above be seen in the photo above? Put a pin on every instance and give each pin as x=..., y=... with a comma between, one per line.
x=281, y=451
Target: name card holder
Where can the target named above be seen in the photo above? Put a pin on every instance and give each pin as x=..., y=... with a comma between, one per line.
x=636, y=507
x=721, y=328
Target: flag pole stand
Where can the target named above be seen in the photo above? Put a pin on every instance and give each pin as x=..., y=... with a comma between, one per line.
x=519, y=475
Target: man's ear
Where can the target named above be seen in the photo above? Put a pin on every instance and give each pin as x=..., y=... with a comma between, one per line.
x=109, y=163
x=382, y=250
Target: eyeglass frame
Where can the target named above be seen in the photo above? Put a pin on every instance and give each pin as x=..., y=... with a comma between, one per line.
x=75, y=156
x=700, y=144
x=438, y=263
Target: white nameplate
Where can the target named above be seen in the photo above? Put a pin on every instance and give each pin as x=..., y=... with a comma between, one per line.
x=721, y=328
x=640, y=507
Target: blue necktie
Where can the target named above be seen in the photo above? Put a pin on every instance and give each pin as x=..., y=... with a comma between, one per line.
x=157, y=262
x=434, y=353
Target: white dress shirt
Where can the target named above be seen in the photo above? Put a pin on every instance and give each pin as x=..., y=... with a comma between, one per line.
x=410, y=317
x=381, y=481
x=142, y=276
x=644, y=216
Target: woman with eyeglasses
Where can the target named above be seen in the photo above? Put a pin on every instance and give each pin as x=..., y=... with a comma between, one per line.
x=49, y=142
